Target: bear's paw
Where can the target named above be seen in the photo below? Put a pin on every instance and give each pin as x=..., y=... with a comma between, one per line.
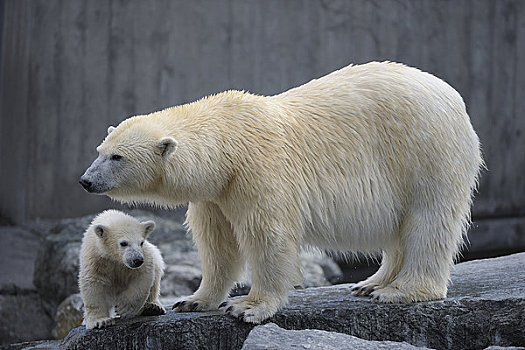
x=249, y=310
x=395, y=294
x=193, y=304
x=151, y=309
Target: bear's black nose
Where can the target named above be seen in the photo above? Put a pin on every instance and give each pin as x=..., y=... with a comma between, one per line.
x=85, y=183
x=137, y=262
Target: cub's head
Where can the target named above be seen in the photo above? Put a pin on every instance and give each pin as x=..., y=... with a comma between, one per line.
x=120, y=237
x=131, y=160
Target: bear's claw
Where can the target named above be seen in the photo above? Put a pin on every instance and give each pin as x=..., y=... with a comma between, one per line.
x=246, y=310
x=193, y=304
x=362, y=291
x=178, y=304
x=151, y=309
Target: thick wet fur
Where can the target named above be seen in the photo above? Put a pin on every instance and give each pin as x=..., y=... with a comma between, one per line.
x=372, y=158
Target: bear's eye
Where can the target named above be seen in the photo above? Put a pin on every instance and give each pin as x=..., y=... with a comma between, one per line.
x=116, y=157
x=141, y=243
x=123, y=244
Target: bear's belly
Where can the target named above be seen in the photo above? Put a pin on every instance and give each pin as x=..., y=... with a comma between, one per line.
x=347, y=225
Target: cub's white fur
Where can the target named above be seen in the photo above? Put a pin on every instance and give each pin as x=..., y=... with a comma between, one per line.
x=120, y=271
x=378, y=157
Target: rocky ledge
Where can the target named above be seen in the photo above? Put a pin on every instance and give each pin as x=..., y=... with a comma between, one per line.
x=485, y=307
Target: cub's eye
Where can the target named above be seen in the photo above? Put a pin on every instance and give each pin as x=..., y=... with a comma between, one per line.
x=116, y=157
x=123, y=244
x=141, y=243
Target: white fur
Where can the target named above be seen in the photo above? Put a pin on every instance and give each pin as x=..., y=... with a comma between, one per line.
x=107, y=284
x=379, y=157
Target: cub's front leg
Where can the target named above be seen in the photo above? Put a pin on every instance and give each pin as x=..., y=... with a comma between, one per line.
x=153, y=307
x=131, y=301
x=97, y=306
x=222, y=264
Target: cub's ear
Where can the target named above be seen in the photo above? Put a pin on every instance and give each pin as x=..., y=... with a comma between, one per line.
x=148, y=227
x=166, y=146
x=110, y=129
x=101, y=230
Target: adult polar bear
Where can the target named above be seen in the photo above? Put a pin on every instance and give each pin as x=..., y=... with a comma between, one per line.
x=373, y=157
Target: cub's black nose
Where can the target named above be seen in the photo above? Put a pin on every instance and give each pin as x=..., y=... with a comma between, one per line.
x=137, y=262
x=85, y=183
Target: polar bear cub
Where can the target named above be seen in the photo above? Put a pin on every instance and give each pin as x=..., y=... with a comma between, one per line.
x=120, y=270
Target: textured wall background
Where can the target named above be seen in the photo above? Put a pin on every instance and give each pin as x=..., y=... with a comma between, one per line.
x=70, y=68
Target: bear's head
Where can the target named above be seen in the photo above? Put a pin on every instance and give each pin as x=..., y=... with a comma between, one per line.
x=121, y=237
x=131, y=161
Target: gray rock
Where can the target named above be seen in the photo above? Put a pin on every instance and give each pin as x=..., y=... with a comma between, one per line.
x=319, y=269
x=23, y=318
x=70, y=314
x=273, y=337
x=31, y=345
x=56, y=267
x=485, y=307
x=17, y=257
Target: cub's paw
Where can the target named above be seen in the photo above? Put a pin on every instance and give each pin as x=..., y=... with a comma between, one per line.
x=249, y=311
x=126, y=310
x=192, y=304
x=152, y=309
x=100, y=323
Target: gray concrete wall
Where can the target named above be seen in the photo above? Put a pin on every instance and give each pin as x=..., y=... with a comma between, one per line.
x=70, y=68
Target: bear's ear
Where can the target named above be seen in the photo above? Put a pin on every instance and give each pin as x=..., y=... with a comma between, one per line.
x=148, y=227
x=110, y=129
x=101, y=230
x=167, y=145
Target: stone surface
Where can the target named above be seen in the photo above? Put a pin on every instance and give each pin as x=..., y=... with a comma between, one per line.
x=56, y=267
x=273, y=337
x=31, y=345
x=22, y=317
x=17, y=256
x=485, y=307
x=69, y=315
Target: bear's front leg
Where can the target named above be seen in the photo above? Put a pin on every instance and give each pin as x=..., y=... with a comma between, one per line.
x=274, y=260
x=222, y=264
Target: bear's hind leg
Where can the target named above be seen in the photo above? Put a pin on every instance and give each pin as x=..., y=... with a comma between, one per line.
x=391, y=263
x=430, y=241
x=222, y=264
